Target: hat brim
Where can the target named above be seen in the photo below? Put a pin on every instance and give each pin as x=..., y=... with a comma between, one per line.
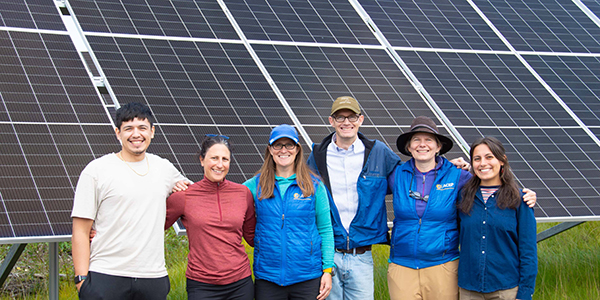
x=348, y=107
x=447, y=143
x=283, y=135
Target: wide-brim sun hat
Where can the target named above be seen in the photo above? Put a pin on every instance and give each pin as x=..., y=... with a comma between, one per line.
x=283, y=131
x=427, y=125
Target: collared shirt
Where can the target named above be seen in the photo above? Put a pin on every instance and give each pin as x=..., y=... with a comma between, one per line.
x=344, y=167
x=498, y=249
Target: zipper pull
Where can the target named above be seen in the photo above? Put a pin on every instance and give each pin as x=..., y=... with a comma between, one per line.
x=282, y=220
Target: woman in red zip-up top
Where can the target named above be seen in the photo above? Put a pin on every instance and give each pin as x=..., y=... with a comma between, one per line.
x=216, y=213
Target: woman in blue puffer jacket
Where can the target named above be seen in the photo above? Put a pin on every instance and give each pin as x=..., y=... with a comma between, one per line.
x=293, y=243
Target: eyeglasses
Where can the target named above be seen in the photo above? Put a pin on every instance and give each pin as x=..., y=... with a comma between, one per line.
x=418, y=196
x=341, y=119
x=280, y=146
x=212, y=135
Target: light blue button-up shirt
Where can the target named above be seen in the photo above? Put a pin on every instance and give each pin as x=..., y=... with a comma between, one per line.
x=344, y=167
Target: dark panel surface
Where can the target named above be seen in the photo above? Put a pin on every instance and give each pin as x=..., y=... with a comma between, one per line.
x=560, y=164
x=301, y=21
x=190, y=83
x=198, y=77
x=39, y=171
x=486, y=90
x=432, y=24
x=575, y=80
x=30, y=14
x=43, y=80
x=555, y=25
x=175, y=18
x=311, y=77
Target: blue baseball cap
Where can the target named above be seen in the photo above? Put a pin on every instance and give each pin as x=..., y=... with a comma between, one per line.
x=283, y=131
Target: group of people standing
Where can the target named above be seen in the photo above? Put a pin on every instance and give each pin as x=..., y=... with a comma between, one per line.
x=312, y=223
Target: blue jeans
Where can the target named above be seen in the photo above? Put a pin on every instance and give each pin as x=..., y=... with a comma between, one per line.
x=354, y=277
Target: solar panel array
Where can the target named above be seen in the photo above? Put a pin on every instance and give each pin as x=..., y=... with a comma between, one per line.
x=527, y=72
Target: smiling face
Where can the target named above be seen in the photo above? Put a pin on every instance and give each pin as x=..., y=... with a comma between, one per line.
x=216, y=162
x=486, y=166
x=283, y=158
x=423, y=147
x=135, y=137
x=346, y=130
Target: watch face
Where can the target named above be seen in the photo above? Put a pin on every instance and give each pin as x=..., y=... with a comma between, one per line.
x=79, y=278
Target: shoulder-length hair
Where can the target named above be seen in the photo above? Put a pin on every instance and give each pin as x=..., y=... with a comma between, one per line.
x=267, y=175
x=508, y=195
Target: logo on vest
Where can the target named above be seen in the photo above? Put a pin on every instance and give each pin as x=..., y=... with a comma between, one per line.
x=298, y=196
x=445, y=186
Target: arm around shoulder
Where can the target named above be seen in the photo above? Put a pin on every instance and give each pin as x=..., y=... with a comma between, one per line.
x=175, y=208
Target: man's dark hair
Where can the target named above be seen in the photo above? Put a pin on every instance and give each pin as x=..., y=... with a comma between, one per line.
x=131, y=111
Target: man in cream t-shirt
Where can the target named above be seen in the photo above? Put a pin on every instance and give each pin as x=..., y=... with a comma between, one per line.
x=122, y=196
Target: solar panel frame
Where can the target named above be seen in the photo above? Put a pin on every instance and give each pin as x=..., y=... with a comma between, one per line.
x=187, y=60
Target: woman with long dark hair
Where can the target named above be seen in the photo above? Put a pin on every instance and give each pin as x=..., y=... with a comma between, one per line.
x=293, y=246
x=498, y=252
x=217, y=214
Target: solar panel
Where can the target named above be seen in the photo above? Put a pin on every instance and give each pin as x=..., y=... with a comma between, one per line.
x=433, y=24
x=301, y=21
x=178, y=18
x=525, y=72
x=574, y=79
x=30, y=14
x=554, y=26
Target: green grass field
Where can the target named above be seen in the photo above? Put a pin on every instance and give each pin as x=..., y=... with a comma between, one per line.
x=569, y=267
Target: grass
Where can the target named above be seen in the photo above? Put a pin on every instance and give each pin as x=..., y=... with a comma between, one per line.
x=569, y=267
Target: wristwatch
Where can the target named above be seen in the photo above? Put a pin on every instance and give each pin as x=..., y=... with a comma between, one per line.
x=79, y=278
x=333, y=271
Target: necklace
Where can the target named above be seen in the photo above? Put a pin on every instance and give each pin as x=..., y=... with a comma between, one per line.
x=132, y=169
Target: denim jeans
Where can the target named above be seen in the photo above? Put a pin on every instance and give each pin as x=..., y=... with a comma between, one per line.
x=354, y=277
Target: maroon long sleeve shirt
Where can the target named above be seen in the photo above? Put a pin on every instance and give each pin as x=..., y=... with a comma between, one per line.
x=216, y=217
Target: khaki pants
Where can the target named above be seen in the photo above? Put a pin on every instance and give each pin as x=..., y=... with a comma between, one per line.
x=510, y=294
x=434, y=283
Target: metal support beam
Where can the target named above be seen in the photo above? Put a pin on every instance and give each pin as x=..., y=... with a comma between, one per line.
x=10, y=260
x=53, y=271
x=554, y=230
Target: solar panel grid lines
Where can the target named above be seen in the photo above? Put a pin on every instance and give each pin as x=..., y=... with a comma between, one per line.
x=324, y=68
x=301, y=21
x=432, y=24
x=534, y=26
x=176, y=18
x=30, y=14
x=535, y=171
x=500, y=81
x=537, y=91
x=572, y=78
x=592, y=5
